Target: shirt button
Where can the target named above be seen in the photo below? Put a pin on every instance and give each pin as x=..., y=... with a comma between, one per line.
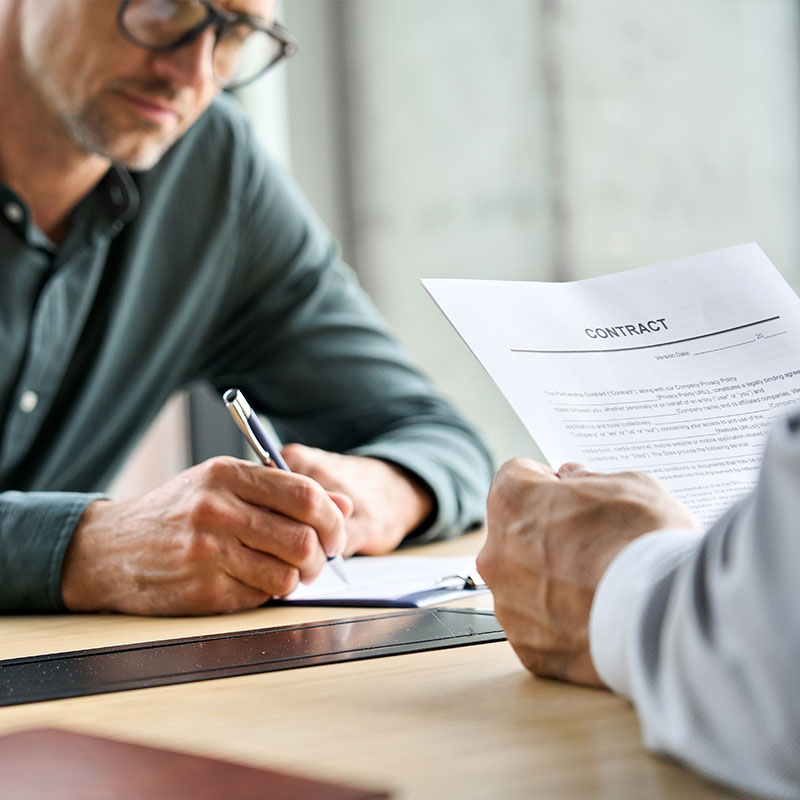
x=28, y=401
x=116, y=195
x=13, y=212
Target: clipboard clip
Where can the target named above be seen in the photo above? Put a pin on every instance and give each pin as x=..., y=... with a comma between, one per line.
x=468, y=578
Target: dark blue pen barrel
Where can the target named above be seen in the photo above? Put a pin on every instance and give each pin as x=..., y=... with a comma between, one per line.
x=264, y=440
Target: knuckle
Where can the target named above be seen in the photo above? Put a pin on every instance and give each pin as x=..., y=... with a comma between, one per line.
x=638, y=484
x=506, y=490
x=634, y=477
x=306, y=542
x=309, y=498
x=503, y=475
x=497, y=497
x=216, y=470
x=205, y=510
x=286, y=580
x=502, y=512
x=515, y=469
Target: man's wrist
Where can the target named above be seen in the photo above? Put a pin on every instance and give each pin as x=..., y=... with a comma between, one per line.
x=78, y=583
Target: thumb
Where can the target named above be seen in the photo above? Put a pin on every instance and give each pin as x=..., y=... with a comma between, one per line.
x=572, y=469
x=299, y=457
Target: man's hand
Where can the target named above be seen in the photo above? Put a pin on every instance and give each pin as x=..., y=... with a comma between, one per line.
x=388, y=502
x=551, y=538
x=222, y=536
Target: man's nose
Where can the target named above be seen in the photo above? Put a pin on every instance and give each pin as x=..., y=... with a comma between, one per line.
x=190, y=64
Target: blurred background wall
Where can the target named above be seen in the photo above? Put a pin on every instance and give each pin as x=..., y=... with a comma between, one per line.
x=535, y=140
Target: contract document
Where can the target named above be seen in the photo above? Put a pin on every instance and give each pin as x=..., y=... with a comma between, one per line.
x=677, y=369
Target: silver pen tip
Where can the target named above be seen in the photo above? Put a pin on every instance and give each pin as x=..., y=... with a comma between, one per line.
x=337, y=565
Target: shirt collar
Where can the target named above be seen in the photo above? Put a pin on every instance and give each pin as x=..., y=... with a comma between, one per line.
x=104, y=212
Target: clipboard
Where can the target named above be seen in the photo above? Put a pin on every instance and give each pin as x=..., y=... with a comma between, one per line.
x=395, y=581
x=198, y=658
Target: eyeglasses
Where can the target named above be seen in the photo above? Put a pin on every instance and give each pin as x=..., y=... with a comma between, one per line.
x=244, y=47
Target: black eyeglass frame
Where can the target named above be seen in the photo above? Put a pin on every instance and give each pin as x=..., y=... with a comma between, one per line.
x=224, y=20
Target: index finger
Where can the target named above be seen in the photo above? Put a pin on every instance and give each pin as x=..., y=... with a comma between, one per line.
x=298, y=497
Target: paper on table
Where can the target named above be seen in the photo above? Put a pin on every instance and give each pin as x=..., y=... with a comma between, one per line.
x=396, y=581
x=676, y=369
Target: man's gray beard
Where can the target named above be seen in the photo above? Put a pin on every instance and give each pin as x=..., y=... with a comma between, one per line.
x=93, y=132
x=91, y=129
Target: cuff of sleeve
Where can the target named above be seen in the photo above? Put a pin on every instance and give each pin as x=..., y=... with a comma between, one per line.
x=35, y=532
x=635, y=570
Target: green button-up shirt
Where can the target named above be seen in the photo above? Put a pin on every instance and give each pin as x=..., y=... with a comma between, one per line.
x=210, y=266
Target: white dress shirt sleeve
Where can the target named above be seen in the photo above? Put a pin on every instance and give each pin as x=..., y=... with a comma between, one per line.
x=702, y=633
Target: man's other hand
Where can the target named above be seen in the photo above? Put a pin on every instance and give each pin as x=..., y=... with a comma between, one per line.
x=222, y=536
x=388, y=502
x=551, y=537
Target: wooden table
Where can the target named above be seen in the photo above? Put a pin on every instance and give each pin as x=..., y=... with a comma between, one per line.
x=468, y=722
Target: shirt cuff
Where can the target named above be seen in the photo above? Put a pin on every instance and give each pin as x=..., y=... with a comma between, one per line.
x=35, y=530
x=624, y=587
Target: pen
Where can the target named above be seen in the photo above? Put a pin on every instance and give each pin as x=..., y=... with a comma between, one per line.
x=249, y=424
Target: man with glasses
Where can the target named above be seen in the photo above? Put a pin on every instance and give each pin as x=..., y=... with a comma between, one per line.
x=145, y=243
